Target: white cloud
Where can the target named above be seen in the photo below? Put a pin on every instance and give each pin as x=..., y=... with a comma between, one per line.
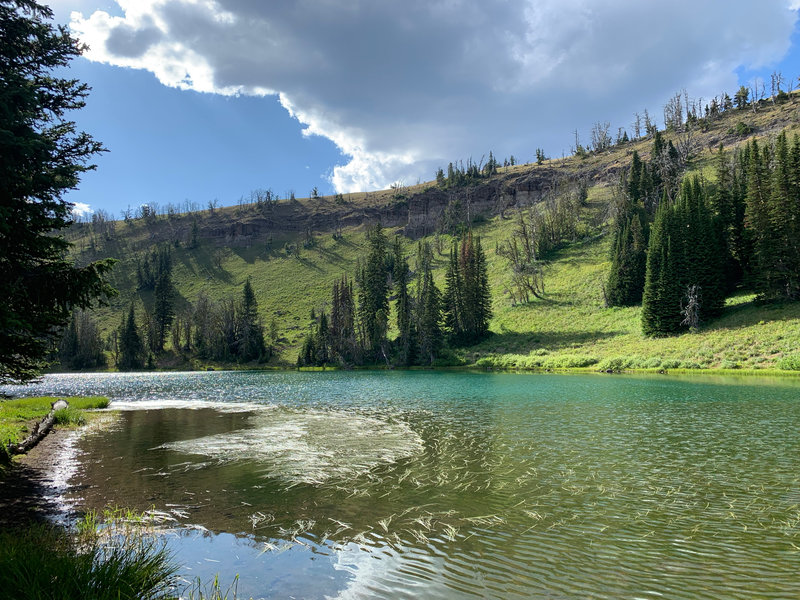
x=402, y=88
x=81, y=209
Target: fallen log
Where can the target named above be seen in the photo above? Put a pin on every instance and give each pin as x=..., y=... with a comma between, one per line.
x=40, y=430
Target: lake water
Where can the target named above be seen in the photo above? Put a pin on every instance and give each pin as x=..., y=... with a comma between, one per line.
x=455, y=485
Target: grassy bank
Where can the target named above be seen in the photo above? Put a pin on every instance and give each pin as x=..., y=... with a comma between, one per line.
x=17, y=417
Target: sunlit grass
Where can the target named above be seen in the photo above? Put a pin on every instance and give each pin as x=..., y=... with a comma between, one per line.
x=571, y=324
x=17, y=416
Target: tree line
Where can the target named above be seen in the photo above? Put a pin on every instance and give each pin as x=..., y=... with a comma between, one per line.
x=428, y=321
x=683, y=255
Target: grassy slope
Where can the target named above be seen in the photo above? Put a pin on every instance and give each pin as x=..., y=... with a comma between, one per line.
x=570, y=328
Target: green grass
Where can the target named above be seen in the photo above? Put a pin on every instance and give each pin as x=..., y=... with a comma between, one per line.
x=42, y=562
x=17, y=416
x=571, y=324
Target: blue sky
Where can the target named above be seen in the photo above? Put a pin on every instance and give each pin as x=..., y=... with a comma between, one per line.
x=209, y=99
x=168, y=145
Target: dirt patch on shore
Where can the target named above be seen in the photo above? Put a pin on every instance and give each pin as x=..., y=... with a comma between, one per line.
x=33, y=484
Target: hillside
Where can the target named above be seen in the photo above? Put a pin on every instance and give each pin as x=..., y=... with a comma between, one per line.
x=295, y=249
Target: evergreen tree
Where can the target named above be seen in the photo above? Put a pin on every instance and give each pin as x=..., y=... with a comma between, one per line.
x=453, y=301
x=467, y=299
x=403, y=309
x=629, y=242
x=82, y=347
x=163, y=310
x=250, y=343
x=757, y=219
x=684, y=254
x=661, y=297
x=43, y=156
x=428, y=307
x=728, y=203
x=344, y=346
x=131, y=347
x=373, y=306
x=628, y=260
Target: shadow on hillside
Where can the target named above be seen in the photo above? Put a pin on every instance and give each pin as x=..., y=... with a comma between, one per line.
x=207, y=266
x=310, y=264
x=330, y=255
x=345, y=242
x=187, y=263
x=522, y=342
x=248, y=255
x=754, y=313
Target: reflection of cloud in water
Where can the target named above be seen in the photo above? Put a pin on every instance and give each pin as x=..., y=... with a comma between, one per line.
x=383, y=572
x=309, y=447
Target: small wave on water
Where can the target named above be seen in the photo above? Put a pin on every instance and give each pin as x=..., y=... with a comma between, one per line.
x=162, y=404
x=311, y=447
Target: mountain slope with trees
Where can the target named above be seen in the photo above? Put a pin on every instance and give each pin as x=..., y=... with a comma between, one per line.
x=569, y=250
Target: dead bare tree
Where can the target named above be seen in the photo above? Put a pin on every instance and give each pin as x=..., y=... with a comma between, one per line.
x=691, y=310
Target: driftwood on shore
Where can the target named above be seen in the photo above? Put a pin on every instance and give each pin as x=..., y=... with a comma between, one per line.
x=40, y=430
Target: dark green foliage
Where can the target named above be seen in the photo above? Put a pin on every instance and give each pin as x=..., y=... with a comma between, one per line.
x=742, y=129
x=131, y=347
x=406, y=332
x=772, y=218
x=81, y=347
x=467, y=303
x=316, y=348
x=460, y=175
x=628, y=260
x=428, y=308
x=741, y=97
x=344, y=344
x=249, y=343
x=686, y=249
x=153, y=266
x=728, y=202
x=228, y=330
x=630, y=235
x=41, y=157
x=163, y=310
x=373, y=295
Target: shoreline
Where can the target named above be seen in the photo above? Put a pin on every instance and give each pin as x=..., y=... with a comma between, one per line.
x=772, y=372
x=28, y=490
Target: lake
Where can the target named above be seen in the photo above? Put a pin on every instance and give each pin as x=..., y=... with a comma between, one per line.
x=454, y=485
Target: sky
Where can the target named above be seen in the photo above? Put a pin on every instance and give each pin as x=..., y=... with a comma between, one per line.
x=207, y=100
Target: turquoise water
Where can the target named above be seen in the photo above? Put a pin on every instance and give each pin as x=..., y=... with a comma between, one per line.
x=452, y=484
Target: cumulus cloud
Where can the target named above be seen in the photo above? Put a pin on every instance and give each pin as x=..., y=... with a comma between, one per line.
x=81, y=209
x=402, y=88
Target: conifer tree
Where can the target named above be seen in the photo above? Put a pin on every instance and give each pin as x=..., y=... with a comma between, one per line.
x=684, y=254
x=373, y=306
x=163, y=310
x=428, y=307
x=629, y=242
x=757, y=219
x=467, y=299
x=42, y=156
x=131, y=347
x=403, y=308
x=453, y=300
x=344, y=346
x=250, y=343
x=727, y=201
